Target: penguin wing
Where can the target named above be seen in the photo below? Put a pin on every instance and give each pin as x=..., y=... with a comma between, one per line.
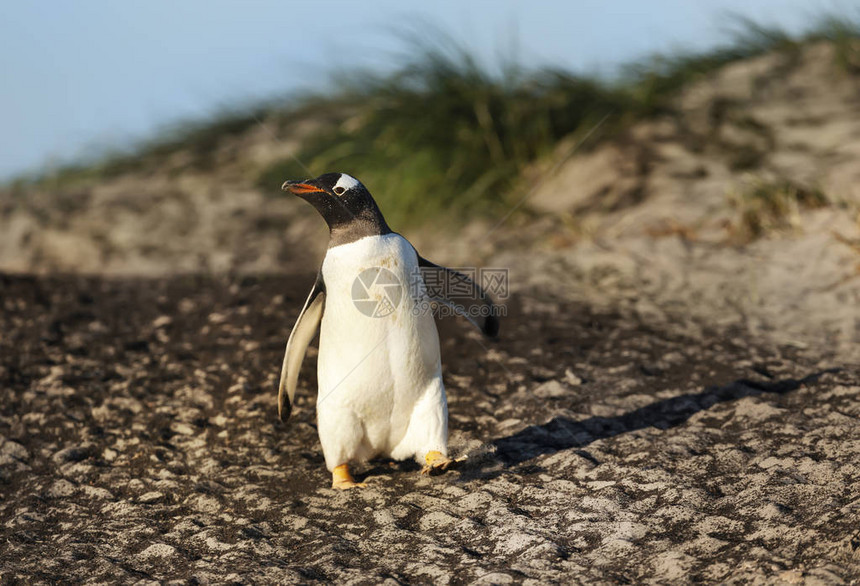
x=471, y=301
x=302, y=334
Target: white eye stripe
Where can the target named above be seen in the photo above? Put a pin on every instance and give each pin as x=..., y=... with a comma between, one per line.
x=345, y=182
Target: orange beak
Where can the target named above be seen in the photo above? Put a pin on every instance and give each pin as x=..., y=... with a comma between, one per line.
x=300, y=188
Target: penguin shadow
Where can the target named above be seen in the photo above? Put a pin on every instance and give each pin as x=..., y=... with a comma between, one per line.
x=562, y=433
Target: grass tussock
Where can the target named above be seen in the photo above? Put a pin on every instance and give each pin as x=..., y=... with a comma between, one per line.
x=445, y=134
x=764, y=207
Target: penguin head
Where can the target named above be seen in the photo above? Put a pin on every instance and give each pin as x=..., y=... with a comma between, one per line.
x=343, y=202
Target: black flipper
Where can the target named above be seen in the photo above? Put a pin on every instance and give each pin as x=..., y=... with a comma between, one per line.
x=297, y=346
x=475, y=305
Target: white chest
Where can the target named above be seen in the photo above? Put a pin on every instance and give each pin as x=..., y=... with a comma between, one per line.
x=374, y=269
x=375, y=335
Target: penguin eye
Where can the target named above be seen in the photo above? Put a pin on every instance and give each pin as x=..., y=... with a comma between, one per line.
x=339, y=190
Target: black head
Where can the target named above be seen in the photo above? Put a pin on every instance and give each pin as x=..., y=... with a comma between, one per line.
x=344, y=203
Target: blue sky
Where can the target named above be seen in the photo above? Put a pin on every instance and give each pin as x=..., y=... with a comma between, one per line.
x=81, y=77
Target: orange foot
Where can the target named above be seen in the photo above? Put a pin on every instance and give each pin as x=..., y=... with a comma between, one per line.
x=341, y=479
x=436, y=463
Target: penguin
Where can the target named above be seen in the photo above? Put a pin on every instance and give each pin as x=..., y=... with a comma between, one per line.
x=380, y=389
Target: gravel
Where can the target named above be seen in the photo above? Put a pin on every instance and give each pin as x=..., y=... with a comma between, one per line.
x=139, y=441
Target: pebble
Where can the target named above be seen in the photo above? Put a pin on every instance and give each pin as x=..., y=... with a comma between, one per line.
x=551, y=389
x=150, y=497
x=61, y=488
x=72, y=454
x=157, y=551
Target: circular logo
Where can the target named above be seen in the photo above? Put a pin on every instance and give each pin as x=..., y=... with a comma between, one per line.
x=376, y=292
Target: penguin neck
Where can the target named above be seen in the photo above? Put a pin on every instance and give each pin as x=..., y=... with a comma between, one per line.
x=361, y=226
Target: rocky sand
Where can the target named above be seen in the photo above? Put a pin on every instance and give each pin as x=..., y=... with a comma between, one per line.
x=139, y=442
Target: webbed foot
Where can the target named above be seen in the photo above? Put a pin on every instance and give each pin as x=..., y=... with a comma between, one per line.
x=436, y=463
x=341, y=478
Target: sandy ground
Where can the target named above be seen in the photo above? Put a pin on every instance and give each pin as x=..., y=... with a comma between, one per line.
x=140, y=443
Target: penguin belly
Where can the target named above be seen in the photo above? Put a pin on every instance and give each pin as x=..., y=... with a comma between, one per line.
x=379, y=370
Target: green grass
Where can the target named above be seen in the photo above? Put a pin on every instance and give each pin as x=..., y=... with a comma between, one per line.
x=445, y=135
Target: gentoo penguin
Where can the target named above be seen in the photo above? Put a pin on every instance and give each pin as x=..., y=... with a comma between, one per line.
x=379, y=372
